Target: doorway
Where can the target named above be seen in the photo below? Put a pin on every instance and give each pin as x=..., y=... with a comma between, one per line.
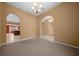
x=47, y=28
x=12, y=28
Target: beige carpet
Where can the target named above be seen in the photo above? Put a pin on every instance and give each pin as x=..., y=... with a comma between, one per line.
x=37, y=47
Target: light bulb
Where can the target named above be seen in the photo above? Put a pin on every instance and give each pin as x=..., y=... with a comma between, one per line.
x=11, y=14
x=35, y=4
x=39, y=10
x=40, y=5
x=50, y=20
x=33, y=8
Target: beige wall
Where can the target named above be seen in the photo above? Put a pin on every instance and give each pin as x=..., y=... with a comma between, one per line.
x=46, y=28
x=0, y=20
x=27, y=21
x=66, y=22
x=50, y=28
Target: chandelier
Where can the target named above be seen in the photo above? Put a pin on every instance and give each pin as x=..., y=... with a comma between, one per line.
x=37, y=8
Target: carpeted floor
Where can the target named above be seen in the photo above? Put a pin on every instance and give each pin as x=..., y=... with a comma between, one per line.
x=37, y=47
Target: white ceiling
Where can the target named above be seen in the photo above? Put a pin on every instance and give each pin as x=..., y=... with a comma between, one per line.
x=26, y=6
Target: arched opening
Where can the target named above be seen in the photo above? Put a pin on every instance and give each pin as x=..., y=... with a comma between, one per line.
x=47, y=28
x=12, y=28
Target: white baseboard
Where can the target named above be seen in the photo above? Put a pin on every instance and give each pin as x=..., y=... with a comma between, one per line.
x=63, y=44
x=66, y=44
x=19, y=40
x=30, y=38
x=47, y=37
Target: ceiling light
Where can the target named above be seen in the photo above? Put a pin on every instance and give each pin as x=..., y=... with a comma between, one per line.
x=10, y=14
x=35, y=4
x=37, y=8
x=50, y=20
x=33, y=8
x=40, y=5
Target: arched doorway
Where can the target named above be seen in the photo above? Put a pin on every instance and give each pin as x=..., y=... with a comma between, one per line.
x=47, y=28
x=12, y=28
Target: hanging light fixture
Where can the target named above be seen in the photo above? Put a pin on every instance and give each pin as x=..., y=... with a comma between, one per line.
x=37, y=8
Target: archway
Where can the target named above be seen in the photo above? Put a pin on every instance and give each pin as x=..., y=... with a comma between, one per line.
x=47, y=28
x=12, y=28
